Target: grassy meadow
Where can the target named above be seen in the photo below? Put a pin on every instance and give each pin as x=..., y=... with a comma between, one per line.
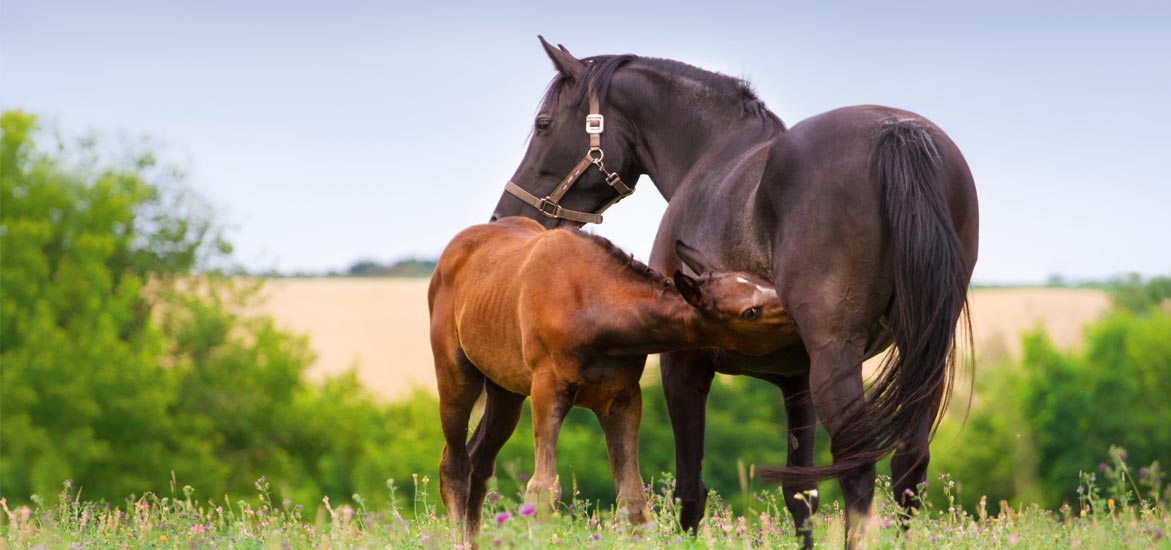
x=1112, y=516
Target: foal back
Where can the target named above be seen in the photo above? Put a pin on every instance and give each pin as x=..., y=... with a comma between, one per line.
x=491, y=296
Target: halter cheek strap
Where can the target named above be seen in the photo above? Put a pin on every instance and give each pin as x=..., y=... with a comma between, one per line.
x=549, y=206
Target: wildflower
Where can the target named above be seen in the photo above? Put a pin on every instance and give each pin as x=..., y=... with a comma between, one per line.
x=595, y=536
x=1080, y=489
x=1102, y=466
x=1013, y=539
x=1110, y=503
x=1143, y=473
x=163, y=538
x=502, y=517
x=638, y=536
x=528, y=509
x=197, y=529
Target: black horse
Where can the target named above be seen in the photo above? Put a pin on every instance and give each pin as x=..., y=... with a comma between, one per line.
x=865, y=217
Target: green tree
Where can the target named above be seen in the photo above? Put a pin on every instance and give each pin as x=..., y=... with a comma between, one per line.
x=85, y=395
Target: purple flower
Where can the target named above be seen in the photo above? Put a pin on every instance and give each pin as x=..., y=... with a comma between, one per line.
x=502, y=517
x=1143, y=472
x=1080, y=489
x=595, y=536
x=528, y=509
x=1102, y=466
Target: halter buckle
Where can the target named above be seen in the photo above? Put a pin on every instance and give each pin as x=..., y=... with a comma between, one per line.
x=594, y=124
x=549, y=208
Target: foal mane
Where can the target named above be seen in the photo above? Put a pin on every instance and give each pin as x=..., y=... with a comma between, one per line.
x=624, y=258
x=600, y=69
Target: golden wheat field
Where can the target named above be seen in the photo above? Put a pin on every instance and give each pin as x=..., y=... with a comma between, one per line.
x=379, y=326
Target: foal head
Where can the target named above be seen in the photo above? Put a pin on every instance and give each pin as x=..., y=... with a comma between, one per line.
x=741, y=311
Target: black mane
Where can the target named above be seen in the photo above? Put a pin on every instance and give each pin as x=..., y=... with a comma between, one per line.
x=599, y=70
x=624, y=258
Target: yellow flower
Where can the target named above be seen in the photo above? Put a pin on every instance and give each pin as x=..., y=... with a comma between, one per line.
x=163, y=538
x=1110, y=503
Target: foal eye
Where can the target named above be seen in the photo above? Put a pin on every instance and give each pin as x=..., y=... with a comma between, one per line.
x=544, y=123
x=751, y=313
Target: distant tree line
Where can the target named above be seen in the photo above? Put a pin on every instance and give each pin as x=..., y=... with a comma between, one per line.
x=410, y=267
x=406, y=268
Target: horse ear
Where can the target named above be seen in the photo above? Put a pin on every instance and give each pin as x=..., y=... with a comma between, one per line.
x=692, y=257
x=689, y=288
x=563, y=61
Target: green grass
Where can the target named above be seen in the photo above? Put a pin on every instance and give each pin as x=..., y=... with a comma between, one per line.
x=183, y=521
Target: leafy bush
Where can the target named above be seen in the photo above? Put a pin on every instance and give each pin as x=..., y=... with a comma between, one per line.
x=126, y=362
x=1036, y=424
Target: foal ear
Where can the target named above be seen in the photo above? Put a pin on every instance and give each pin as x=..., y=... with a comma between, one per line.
x=692, y=257
x=689, y=288
x=563, y=61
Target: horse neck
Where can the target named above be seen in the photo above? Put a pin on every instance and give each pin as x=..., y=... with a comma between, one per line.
x=682, y=121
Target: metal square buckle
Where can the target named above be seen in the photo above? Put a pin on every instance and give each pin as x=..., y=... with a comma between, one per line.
x=549, y=208
x=594, y=124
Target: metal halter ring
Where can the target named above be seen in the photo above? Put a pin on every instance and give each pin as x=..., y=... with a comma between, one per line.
x=597, y=150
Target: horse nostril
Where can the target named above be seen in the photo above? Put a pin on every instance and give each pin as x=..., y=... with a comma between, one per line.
x=494, y=217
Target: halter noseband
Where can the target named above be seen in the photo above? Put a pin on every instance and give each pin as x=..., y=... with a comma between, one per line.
x=549, y=206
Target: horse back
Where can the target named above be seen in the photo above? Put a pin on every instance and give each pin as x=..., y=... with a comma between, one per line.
x=831, y=246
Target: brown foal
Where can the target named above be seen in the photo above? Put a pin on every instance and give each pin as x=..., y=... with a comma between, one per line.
x=569, y=319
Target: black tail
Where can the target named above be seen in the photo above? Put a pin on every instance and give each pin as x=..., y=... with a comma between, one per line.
x=930, y=295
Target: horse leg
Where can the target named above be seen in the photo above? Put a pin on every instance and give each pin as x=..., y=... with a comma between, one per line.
x=620, y=416
x=502, y=410
x=837, y=391
x=908, y=467
x=801, y=499
x=459, y=384
x=687, y=379
x=552, y=400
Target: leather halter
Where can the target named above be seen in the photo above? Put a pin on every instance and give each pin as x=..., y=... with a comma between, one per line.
x=549, y=206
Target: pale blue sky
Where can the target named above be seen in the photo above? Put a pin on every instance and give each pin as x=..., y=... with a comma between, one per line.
x=332, y=131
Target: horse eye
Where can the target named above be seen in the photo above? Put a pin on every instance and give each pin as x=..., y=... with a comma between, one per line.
x=544, y=123
x=751, y=313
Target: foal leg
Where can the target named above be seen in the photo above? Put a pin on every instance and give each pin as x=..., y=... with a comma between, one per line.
x=836, y=383
x=552, y=400
x=687, y=380
x=460, y=384
x=802, y=420
x=501, y=413
x=619, y=416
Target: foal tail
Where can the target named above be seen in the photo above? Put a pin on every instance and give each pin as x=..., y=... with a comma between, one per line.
x=930, y=294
